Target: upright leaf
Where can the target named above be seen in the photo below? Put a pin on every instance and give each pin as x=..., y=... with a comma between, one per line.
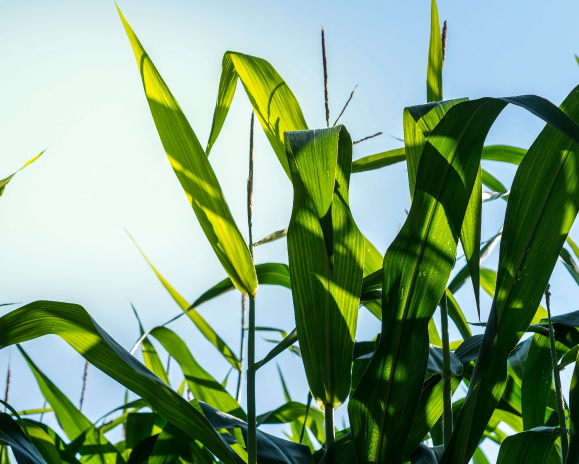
x=195, y=174
x=94, y=446
x=416, y=269
x=326, y=254
x=434, y=71
x=536, y=224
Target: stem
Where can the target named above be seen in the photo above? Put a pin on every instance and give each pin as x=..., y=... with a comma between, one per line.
x=84, y=382
x=242, y=347
x=444, y=36
x=329, y=424
x=366, y=138
x=42, y=415
x=251, y=412
x=447, y=387
x=168, y=364
x=306, y=416
x=325, y=78
x=558, y=390
x=8, y=380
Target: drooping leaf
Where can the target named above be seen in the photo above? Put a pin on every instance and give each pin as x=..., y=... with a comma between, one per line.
x=270, y=449
x=24, y=451
x=94, y=447
x=194, y=172
x=530, y=447
x=73, y=324
x=4, y=182
x=326, y=255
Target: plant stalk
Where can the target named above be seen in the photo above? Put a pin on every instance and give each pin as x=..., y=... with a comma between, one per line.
x=242, y=347
x=447, y=386
x=306, y=416
x=84, y=382
x=558, y=390
x=8, y=380
x=329, y=425
x=251, y=410
x=325, y=63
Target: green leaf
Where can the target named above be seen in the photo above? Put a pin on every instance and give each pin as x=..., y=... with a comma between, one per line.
x=24, y=451
x=379, y=160
x=73, y=324
x=503, y=153
x=203, y=386
x=570, y=264
x=429, y=411
x=293, y=411
x=326, y=255
x=150, y=356
x=274, y=236
x=573, y=455
x=530, y=447
x=434, y=70
x=4, y=182
x=537, y=381
x=141, y=425
x=43, y=443
x=273, y=101
x=270, y=449
x=417, y=266
x=66, y=454
x=171, y=443
x=195, y=174
x=205, y=329
x=411, y=289
x=491, y=182
x=286, y=343
x=536, y=224
x=457, y=315
x=95, y=447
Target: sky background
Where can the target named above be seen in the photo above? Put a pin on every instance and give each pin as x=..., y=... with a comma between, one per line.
x=70, y=84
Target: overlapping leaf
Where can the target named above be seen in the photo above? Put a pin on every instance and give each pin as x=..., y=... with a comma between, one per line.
x=73, y=324
x=326, y=255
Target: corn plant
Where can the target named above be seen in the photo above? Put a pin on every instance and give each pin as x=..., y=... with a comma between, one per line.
x=398, y=387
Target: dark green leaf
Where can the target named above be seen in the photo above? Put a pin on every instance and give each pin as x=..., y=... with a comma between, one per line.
x=530, y=447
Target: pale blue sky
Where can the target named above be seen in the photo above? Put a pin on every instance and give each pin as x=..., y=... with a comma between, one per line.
x=70, y=83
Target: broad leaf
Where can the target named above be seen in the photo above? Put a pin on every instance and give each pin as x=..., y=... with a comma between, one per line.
x=530, y=447
x=273, y=101
x=536, y=224
x=326, y=255
x=195, y=174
